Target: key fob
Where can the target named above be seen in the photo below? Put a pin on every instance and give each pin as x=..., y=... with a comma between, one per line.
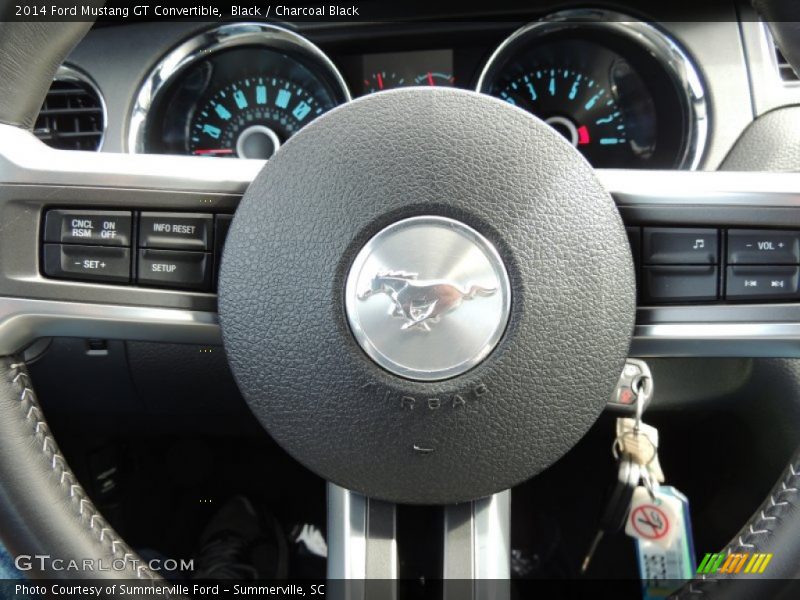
x=623, y=398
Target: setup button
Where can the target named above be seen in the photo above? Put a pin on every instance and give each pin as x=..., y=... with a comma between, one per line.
x=171, y=269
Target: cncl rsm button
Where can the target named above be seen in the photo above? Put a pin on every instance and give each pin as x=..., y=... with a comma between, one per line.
x=88, y=227
x=175, y=231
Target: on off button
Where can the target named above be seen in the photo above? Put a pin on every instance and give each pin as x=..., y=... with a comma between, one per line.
x=88, y=227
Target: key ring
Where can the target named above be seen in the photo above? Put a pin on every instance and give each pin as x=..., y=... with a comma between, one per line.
x=642, y=387
x=647, y=480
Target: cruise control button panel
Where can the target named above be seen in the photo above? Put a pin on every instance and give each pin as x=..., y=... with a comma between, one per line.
x=763, y=247
x=175, y=231
x=154, y=249
x=88, y=227
x=89, y=263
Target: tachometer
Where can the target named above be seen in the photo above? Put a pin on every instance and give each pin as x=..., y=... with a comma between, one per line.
x=602, y=108
x=618, y=90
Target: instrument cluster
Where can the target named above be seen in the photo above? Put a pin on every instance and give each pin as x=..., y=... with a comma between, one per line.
x=620, y=90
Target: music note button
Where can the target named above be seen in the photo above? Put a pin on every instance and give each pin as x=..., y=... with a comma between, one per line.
x=680, y=246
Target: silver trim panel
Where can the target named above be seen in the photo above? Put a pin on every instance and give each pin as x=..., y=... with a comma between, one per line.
x=701, y=188
x=767, y=88
x=24, y=160
x=23, y=320
x=655, y=42
x=719, y=340
x=362, y=544
x=477, y=538
x=347, y=534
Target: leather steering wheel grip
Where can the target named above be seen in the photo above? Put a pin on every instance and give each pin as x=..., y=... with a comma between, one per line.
x=31, y=53
x=773, y=529
x=43, y=508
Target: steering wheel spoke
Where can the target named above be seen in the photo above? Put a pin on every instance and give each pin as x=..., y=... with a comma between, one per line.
x=362, y=546
x=715, y=200
x=35, y=178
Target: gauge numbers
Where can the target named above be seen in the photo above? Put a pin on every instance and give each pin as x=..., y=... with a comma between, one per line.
x=251, y=117
x=574, y=104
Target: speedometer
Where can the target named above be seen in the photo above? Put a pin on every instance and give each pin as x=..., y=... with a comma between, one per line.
x=237, y=91
x=618, y=90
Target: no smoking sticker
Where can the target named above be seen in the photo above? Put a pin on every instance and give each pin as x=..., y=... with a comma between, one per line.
x=649, y=522
x=652, y=520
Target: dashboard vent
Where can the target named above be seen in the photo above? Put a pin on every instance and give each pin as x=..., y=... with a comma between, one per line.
x=73, y=115
x=784, y=68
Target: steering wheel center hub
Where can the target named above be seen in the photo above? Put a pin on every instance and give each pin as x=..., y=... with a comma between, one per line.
x=426, y=295
x=428, y=298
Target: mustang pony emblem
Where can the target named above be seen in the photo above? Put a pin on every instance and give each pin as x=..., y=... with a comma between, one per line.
x=421, y=301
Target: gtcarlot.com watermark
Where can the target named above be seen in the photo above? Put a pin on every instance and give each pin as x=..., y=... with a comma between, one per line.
x=45, y=562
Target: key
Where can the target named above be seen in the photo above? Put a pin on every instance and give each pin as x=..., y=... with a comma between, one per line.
x=616, y=512
x=641, y=443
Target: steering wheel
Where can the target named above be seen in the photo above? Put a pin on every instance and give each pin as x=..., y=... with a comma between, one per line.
x=512, y=309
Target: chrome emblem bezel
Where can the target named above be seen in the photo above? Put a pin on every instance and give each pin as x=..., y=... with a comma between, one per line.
x=428, y=298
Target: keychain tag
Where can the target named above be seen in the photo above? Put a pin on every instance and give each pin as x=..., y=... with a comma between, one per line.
x=653, y=519
x=664, y=541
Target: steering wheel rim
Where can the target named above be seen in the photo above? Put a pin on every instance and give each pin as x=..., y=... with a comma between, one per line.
x=29, y=456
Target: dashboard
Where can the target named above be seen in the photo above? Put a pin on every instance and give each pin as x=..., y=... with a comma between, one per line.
x=621, y=91
x=628, y=89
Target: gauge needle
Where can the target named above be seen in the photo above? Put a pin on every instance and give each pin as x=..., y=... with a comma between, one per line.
x=430, y=78
x=214, y=151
